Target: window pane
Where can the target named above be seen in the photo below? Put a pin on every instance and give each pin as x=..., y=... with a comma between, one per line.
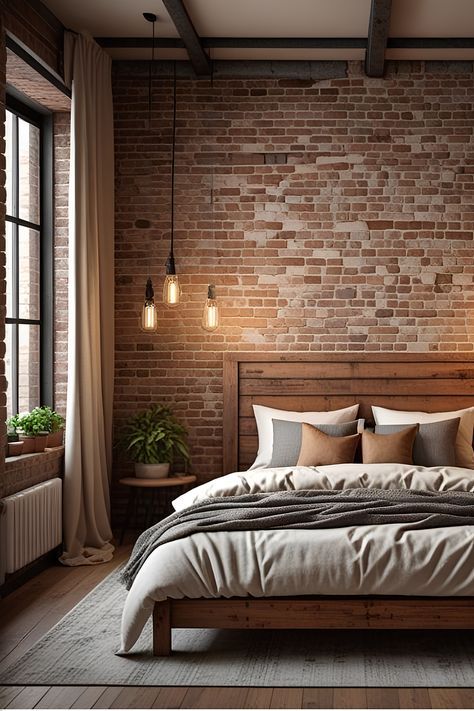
x=29, y=273
x=8, y=367
x=11, y=313
x=8, y=160
x=28, y=158
x=28, y=367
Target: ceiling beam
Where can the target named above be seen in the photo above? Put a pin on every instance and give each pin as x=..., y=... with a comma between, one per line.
x=430, y=43
x=379, y=26
x=289, y=42
x=188, y=34
x=139, y=42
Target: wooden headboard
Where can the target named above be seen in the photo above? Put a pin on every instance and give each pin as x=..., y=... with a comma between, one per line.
x=328, y=381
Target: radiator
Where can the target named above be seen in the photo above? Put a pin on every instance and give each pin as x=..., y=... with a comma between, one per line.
x=30, y=524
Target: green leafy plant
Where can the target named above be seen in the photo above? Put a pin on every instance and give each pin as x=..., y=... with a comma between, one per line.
x=12, y=423
x=155, y=437
x=57, y=421
x=41, y=420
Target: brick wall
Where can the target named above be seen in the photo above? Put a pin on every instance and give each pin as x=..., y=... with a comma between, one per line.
x=3, y=382
x=39, y=30
x=342, y=220
x=61, y=140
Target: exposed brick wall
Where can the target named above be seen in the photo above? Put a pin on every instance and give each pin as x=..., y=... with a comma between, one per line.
x=44, y=36
x=38, y=30
x=61, y=141
x=343, y=220
x=3, y=382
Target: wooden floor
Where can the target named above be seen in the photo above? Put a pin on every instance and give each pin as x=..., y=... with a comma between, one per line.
x=28, y=613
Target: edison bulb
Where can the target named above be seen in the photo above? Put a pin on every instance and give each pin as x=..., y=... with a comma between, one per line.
x=149, y=317
x=149, y=320
x=171, y=290
x=210, y=316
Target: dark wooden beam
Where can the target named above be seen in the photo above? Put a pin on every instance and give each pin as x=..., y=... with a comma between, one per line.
x=286, y=42
x=379, y=26
x=430, y=42
x=289, y=42
x=188, y=34
x=139, y=42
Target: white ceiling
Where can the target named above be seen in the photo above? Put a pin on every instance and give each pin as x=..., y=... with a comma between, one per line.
x=273, y=18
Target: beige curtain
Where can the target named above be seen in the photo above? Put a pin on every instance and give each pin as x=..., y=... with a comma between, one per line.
x=87, y=531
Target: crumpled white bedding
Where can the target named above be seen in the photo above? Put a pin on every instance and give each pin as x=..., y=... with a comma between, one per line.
x=355, y=560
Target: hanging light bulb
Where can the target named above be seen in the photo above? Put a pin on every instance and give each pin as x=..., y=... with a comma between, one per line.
x=171, y=287
x=149, y=319
x=210, y=316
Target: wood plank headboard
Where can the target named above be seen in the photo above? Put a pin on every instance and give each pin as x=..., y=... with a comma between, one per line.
x=328, y=381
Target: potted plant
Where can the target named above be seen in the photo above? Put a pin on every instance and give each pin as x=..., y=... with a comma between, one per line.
x=56, y=428
x=152, y=439
x=32, y=428
x=14, y=446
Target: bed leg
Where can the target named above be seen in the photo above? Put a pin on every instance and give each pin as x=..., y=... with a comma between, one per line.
x=162, y=629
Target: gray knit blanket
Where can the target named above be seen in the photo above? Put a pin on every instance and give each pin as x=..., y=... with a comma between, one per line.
x=305, y=509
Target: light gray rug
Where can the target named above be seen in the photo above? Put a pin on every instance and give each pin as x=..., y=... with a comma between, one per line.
x=80, y=650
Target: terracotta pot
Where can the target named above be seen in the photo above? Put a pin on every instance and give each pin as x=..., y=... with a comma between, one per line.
x=28, y=443
x=32, y=444
x=55, y=439
x=151, y=471
x=15, y=449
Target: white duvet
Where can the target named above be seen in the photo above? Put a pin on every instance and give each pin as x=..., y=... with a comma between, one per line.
x=354, y=560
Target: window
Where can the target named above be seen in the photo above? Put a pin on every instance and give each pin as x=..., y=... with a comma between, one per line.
x=28, y=357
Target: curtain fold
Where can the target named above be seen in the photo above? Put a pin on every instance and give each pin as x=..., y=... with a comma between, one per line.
x=88, y=443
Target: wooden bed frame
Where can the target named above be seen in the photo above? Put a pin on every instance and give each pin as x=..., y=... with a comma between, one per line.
x=326, y=381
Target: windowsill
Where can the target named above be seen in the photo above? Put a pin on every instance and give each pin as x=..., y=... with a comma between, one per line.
x=26, y=470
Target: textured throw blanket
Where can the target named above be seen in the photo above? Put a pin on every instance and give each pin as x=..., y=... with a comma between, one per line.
x=305, y=509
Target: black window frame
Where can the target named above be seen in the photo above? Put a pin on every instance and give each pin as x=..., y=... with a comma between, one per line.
x=28, y=111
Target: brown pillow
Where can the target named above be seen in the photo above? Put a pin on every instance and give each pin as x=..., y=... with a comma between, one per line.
x=389, y=448
x=318, y=448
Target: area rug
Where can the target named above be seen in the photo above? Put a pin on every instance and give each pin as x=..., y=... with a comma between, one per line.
x=80, y=650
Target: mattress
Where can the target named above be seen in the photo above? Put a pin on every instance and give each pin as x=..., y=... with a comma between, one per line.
x=391, y=559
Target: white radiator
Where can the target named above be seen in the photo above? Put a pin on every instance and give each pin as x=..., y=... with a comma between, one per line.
x=31, y=524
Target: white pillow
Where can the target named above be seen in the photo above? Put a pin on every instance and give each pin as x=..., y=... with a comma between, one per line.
x=463, y=445
x=265, y=415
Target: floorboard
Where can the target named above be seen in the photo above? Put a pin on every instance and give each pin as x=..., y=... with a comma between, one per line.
x=33, y=609
x=258, y=698
x=60, y=697
x=28, y=697
x=349, y=698
x=8, y=694
x=318, y=698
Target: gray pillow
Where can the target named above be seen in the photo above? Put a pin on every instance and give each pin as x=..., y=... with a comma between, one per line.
x=287, y=439
x=434, y=443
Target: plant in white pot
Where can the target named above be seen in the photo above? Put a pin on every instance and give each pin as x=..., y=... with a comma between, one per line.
x=152, y=439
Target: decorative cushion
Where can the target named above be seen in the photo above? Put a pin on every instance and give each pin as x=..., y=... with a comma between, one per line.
x=287, y=438
x=394, y=448
x=464, y=451
x=264, y=416
x=434, y=444
x=319, y=448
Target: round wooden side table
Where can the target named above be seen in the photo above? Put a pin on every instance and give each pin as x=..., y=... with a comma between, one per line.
x=149, y=491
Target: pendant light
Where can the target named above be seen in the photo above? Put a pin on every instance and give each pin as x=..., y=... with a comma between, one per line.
x=171, y=287
x=149, y=320
x=149, y=316
x=210, y=315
